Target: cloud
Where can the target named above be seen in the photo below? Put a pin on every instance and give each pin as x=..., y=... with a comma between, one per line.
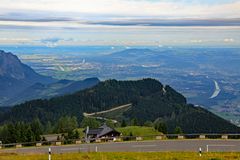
x=229, y=40
x=82, y=13
x=23, y=19
x=121, y=22
x=12, y=40
x=123, y=8
x=15, y=39
x=53, y=42
x=169, y=22
x=196, y=41
x=76, y=13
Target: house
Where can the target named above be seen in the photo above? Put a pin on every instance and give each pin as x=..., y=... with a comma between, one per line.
x=103, y=132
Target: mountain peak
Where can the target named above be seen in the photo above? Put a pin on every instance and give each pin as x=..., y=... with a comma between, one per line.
x=11, y=66
x=16, y=76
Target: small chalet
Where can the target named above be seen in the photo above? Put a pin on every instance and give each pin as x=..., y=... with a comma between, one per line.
x=103, y=132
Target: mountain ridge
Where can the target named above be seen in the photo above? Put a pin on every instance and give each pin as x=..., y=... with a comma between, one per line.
x=16, y=76
x=46, y=91
x=19, y=82
x=149, y=102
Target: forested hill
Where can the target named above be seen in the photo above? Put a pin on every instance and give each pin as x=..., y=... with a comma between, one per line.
x=150, y=101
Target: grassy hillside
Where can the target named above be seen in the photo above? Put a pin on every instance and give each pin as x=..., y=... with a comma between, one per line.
x=149, y=98
x=138, y=131
x=126, y=156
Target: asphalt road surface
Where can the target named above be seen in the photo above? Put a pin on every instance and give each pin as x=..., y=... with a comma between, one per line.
x=144, y=146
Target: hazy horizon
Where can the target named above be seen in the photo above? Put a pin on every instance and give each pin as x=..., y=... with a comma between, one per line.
x=120, y=22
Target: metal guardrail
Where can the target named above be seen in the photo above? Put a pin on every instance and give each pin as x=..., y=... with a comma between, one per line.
x=124, y=138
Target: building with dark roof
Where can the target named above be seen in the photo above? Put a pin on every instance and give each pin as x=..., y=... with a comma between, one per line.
x=102, y=132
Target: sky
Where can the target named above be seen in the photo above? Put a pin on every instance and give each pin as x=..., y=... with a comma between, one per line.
x=120, y=22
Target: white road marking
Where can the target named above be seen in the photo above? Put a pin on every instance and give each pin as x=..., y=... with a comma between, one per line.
x=219, y=145
x=72, y=149
x=142, y=146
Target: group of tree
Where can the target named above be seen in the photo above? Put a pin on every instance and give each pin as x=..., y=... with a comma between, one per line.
x=21, y=132
x=149, y=98
x=132, y=122
x=68, y=127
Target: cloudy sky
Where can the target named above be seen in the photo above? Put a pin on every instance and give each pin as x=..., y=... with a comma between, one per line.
x=119, y=22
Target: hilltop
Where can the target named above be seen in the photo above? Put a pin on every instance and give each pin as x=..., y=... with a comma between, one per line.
x=149, y=98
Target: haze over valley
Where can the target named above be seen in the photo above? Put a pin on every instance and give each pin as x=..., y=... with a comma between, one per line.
x=207, y=76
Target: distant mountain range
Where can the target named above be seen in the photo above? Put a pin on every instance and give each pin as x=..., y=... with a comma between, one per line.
x=19, y=82
x=149, y=98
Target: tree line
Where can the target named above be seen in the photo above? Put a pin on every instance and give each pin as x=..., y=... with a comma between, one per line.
x=34, y=131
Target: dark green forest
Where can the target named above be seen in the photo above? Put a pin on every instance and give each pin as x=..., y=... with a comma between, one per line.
x=150, y=101
x=34, y=131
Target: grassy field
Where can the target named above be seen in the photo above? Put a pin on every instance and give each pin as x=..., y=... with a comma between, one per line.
x=126, y=156
x=138, y=131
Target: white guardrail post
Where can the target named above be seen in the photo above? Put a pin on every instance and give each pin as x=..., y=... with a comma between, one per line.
x=49, y=154
x=200, y=151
